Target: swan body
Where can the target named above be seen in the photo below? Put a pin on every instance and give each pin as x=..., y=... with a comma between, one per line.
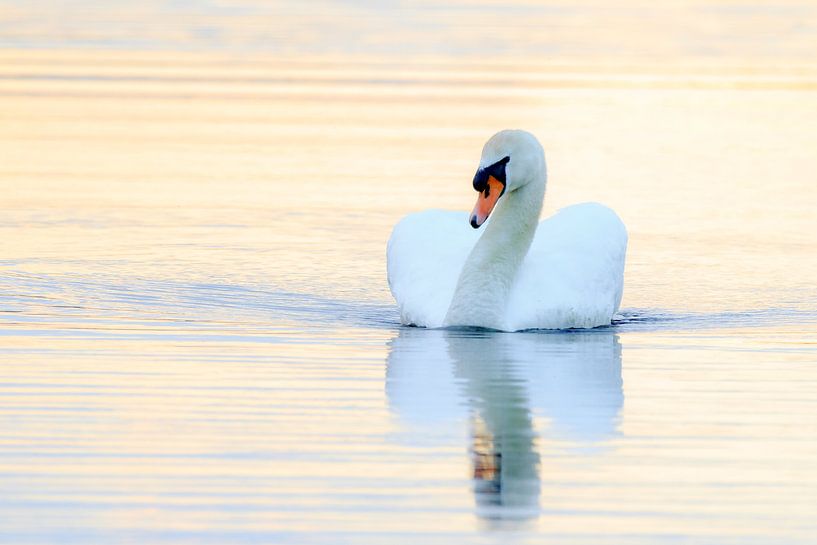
x=517, y=273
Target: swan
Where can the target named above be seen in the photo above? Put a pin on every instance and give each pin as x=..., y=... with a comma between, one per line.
x=515, y=274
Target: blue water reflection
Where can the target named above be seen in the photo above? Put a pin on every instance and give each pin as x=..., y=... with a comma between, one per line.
x=502, y=385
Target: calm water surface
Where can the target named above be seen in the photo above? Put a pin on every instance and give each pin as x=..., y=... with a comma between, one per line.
x=198, y=344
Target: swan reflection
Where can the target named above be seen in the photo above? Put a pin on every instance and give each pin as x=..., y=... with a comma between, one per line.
x=506, y=386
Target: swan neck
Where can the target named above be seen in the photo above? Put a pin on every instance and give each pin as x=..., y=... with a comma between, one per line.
x=480, y=298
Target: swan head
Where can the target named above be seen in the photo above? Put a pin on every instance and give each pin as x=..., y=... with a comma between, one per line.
x=511, y=159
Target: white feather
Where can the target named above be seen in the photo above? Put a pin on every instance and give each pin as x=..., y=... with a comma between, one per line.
x=571, y=277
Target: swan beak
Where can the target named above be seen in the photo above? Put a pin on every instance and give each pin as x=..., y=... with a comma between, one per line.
x=486, y=201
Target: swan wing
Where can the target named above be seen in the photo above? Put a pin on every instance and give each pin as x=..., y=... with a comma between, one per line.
x=573, y=274
x=425, y=254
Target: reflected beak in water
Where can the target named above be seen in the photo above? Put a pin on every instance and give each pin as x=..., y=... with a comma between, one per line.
x=490, y=183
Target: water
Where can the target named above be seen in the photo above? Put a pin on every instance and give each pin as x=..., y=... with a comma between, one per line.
x=198, y=342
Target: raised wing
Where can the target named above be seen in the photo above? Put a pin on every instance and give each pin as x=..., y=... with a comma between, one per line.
x=425, y=255
x=573, y=274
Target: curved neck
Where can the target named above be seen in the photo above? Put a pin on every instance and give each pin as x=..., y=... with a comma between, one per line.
x=485, y=282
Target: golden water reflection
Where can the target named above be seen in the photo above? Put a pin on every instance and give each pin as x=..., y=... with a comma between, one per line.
x=195, y=315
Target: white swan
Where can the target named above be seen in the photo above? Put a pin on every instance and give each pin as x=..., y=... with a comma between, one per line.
x=566, y=273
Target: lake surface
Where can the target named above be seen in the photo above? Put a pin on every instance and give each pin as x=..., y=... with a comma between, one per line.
x=197, y=340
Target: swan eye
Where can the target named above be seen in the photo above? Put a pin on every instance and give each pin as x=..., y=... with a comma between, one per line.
x=496, y=170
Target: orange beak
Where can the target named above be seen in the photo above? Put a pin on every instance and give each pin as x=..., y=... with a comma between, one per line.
x=486, y=201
